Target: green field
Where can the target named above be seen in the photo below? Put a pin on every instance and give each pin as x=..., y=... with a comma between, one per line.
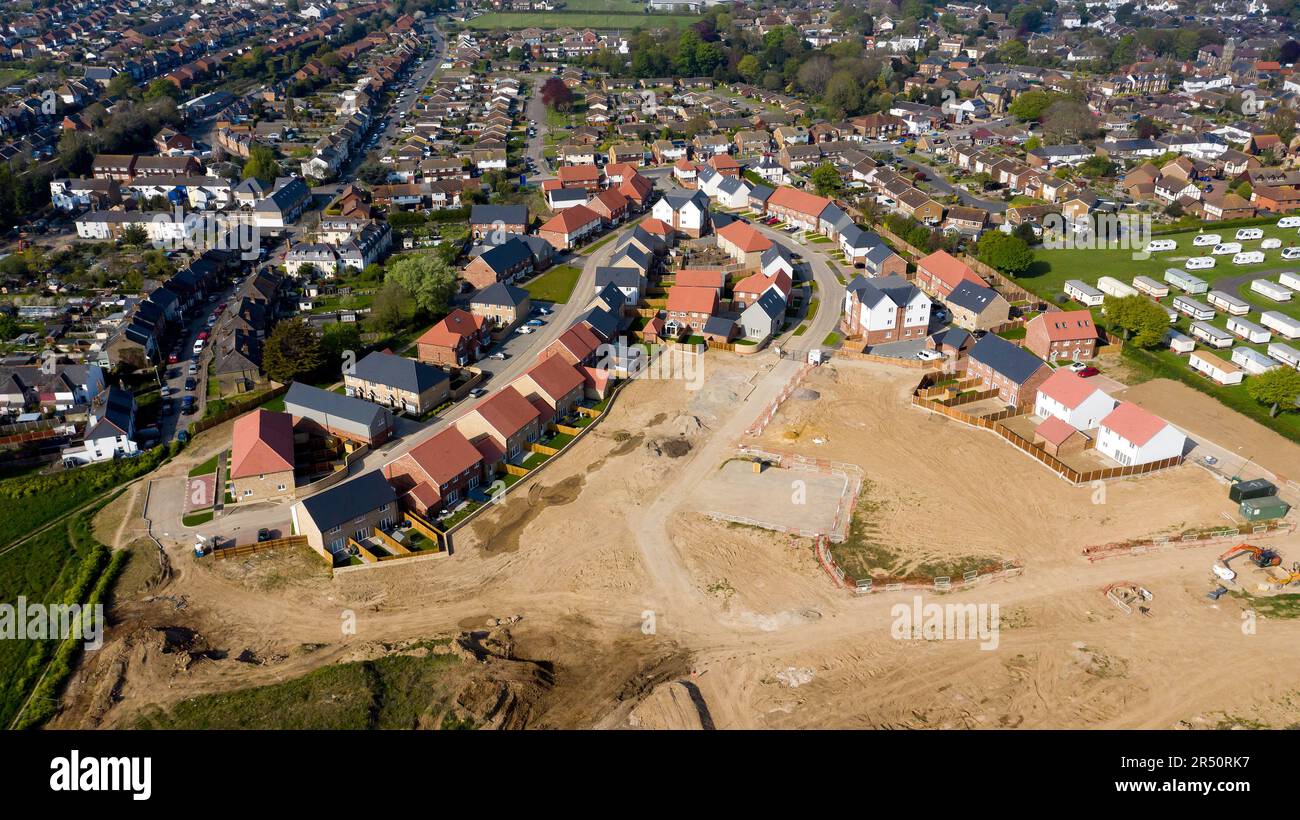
x=395, y=692
x=603, y=20
x=556, y=285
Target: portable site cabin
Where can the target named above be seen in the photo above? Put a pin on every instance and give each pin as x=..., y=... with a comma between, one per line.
x=1228, y=302
x=1211, y=335
x=1285, y=353
x=1248, y=330
x=1220, y=370
x=1149, y=286
x=1180, y=342
x=1289, y=278
x=1254, y=488
x=1193, y=308
x=1084, y=293
x=1264, y=508
x=1184, y=281
x=1274, y=291
x=1111, y=286
x=1252, y=361
x=1280, y=323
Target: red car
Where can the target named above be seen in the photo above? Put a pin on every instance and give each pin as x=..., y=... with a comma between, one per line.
x=1088, y=371
x=173, y=359
x=203, y=336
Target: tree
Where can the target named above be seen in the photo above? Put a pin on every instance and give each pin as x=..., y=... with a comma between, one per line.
x=556, y=95
x=261, y=165
x=825, y=179
x=748, y=68
x=843, y=97
x=388, y=310
x=1278, y=388
x=1030, y=105
x=1143, y=321
x=292, y=350
x=162, y=88
x=1005, y=252
x=429, y=281
x=134, y=235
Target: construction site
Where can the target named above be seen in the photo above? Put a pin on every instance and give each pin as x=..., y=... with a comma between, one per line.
x=654, y=577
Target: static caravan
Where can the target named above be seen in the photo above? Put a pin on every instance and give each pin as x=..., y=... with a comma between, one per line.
x=1289, y=222
x=1199, y=263
x=1152, y=288
x=1221, y=370
x=1188, y=306
x=1211, y=335
x=1290, y=278
x=1252, y=361
x=1170, y=312
x=1285, y=353
x=1083, y=292
x=1280, y=323
x=1248, y=330
x=1111, y=286
x=1274, y=291
x=1184, y=281
x=1228, y=302
x=1180, y=342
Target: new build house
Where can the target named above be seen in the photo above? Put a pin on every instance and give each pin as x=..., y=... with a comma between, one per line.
x=885, y=309
x=1014, y=372
x=353, y=510
x=261, y=456
x=402, y=384
x=1131, y=435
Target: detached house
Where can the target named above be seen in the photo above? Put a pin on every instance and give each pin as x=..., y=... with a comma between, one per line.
x=455, y=341
x=940, y=272
x=1131, y=435
x=885, y=309
x=1062, y=334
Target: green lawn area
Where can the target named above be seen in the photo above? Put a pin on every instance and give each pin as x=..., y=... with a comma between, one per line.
x=587, y=251
x=394, y=692
x=535, y=460
x=14, y=76
x=197, y=519
x=800, y=330
x=275, y=405
x=209, y=466
x=556, y=285
x=1051, y=268
x=831, y=339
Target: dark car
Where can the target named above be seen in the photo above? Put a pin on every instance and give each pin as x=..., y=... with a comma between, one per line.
x=187, y=405
x=190, y=384
x=263, y=535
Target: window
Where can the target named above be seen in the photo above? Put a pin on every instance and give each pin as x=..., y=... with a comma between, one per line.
x=383, y=508
x=280, y=487
x=336, y=529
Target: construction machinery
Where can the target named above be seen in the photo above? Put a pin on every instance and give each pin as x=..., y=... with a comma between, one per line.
x=1285, y=577
x=1260, y=557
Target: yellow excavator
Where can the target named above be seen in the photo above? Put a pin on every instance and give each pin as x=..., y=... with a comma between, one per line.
x=1285, y=578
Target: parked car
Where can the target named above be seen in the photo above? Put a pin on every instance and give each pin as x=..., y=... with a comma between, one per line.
x=499, y=355
x=190, y=384
x=187, y=405
x=534, y=323
x=478, y=391
x=928, y=355
x=1089, y=372
x=525, y=330
x=192, y=369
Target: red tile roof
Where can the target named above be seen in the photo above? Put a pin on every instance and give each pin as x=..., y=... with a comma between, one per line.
x=758, y=283
x=799, y=201
x=454, y=327
x=949, y=269
x=1066, y=325
x=1133, y=423
x=556, y=377
x=1070, y=389
x=570, y=220
x=700, y=278
x=745, y=237
x=445, y=456
x=1054, y=431
x=579, y=173
x=507, y=412
x=261, y=442
x=684, y=299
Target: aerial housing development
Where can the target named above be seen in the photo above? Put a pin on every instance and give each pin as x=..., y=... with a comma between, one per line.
x=587, y=364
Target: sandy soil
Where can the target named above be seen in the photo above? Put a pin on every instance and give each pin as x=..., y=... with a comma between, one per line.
x=653, y=615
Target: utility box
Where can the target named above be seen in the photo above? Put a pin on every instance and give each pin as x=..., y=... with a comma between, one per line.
x=1265, y=508
x=1255, y=488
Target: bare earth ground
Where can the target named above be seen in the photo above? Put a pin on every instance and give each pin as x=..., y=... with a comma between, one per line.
x=652, y=615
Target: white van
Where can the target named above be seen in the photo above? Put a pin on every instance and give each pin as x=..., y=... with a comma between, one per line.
x=1270, y=243
x=1248, y=258
x=1250, y=233
x=1225, y=248
x=1200, y=263
x=1289, y=222
x=1157, y=245
x=1201, y=240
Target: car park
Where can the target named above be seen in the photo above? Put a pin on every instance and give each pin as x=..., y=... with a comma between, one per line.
x=190, y=384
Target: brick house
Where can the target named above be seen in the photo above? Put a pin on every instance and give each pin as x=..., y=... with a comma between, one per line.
x=1014, y=372
x=261, y=456
x=436, y=473
x=502, y=426
x=1062, y=334
x=555, y=383
x=570, y=226
x=504, y=263
x=455, y=341
x=940, y=272
x=690, y=308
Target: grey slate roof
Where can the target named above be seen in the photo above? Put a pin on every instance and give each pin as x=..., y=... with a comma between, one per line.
x=1016, y=363
x=338, y=505
x=332, y=404
x=398, y=371
x=971, y=296
x=499, y=294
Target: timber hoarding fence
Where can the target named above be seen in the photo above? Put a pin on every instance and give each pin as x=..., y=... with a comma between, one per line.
x=992, y=422
x=237, y=409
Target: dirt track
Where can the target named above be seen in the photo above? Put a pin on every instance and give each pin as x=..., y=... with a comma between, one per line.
x=656, y=616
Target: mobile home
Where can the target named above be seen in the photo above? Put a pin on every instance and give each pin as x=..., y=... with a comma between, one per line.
x=1180, y=342
x=1170, y=312
x=1285, y=353
x=1188, y=306
x=1228, y=302
x=1248, y=330
x=1160, y=245
x=1252, y=361
x=1290, y=278
x=1184, y=281
x=1084, y=293
x=1152, y=288
x=1211, y=335
x=1111, y=286
x=1280, y=323
x=1274, y=291
x=1221, y=370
